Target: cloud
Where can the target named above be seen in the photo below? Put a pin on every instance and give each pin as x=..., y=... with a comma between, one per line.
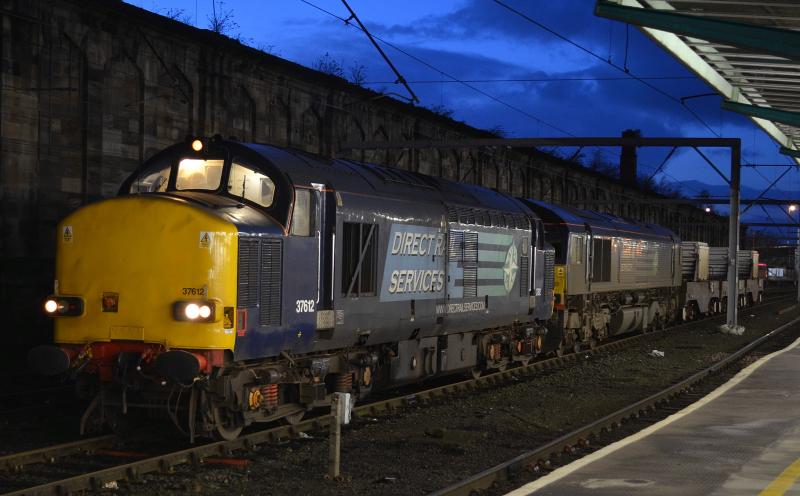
x=479, y=39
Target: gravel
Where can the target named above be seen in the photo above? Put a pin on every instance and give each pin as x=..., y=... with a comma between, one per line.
x=418, y=449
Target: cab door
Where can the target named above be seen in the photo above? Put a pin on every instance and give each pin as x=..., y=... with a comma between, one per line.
x=278, y=285
x=302, y=276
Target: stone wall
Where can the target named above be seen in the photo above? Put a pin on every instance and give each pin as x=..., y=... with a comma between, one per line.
x=90, y=88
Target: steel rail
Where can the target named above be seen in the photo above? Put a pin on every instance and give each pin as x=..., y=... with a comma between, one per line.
x=566, y=443
x=248, y=442
x=15, y=461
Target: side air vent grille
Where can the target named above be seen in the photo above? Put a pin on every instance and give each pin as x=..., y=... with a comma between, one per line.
x=247, y=281
x=456, y=248
x=452, y=214
x=471, y=247
x=466, y=215
x=523, y=276
x=470, y=264
x=549, y=270
x=270, y=300
x=488, y=218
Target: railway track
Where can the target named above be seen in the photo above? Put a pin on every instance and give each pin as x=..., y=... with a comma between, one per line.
x=35, y=399
x=196, y=455
x=539, y=459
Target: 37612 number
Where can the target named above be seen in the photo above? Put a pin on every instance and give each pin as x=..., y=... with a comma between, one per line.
x=193, y=291
x=304, y=306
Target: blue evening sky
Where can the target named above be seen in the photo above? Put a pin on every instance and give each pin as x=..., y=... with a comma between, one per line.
x=479, y=40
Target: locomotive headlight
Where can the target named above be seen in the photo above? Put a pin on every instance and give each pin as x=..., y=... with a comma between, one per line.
x=197, y=145
x=192, y=311
x=64, y=306
x=196, y=311
x=204, y=311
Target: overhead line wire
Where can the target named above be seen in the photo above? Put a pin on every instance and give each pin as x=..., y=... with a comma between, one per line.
x=492, y=97
x=443, y=73
x=595, y=55
x=615, y=66
x=532, y=80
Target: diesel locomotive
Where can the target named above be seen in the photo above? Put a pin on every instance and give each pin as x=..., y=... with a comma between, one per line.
x=230, y=283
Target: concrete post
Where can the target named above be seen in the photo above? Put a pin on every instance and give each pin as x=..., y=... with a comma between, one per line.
x=732, y=326
x=335, y=441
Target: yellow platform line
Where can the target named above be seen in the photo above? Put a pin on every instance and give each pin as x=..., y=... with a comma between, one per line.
x=784, y=481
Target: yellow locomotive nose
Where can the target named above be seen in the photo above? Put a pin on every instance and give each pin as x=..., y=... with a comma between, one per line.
x=134, y=259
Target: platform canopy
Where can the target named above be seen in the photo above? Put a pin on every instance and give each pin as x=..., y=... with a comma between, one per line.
x=747, y=50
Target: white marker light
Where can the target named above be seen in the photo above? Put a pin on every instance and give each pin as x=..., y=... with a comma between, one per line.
x=50, y=306
x=205, y=311
x=708, y=210
x=197, y=145
x=792, y=208
x=192, y=311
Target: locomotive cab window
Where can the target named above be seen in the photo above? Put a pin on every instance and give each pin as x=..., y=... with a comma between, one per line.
x=249, y=184
x=577, y=249
x=155, y=180
x=359, y=259
x=303, y=213
x=601, y=260
x=199, y=174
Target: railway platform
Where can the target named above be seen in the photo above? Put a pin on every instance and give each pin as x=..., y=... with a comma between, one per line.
x=742, y=439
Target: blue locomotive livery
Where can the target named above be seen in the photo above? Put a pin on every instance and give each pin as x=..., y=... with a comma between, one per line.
x=251, y=282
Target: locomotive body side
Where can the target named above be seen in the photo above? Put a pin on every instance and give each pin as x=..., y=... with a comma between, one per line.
x=450, y=269
x=612, y=276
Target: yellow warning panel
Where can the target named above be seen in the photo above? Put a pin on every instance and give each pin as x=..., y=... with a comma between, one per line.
x=135, y=257
x=205, y=239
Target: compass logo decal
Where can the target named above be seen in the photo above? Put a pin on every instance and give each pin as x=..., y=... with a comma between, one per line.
x=510, y=268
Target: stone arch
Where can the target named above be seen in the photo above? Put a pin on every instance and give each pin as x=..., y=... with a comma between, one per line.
x=122, y=128
x=547, y=193
x=354, y=131
x=379, y=156
x=489, y=173
x=572, y=193
x=471, y=170
x=310, y=128
x=73, y=119
x=518, y=184
x=244, y=120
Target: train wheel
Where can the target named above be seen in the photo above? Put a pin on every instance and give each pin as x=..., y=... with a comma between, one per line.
x=475, y=372
x=227, y=424
x=561, y=349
